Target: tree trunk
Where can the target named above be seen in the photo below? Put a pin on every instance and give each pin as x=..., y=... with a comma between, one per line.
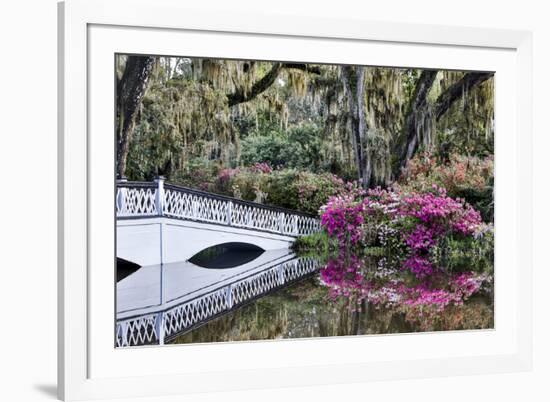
x=130, y=91
x=347, y=78
x=414, y=121
x=362, y=127
x=419, y=110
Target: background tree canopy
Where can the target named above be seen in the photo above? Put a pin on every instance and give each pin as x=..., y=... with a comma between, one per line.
x=189, y=119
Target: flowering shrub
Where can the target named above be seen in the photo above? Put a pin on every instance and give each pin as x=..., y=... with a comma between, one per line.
x=459, y=172
x=262, y=167
x=462, y=176
x=198, y=173
x=314, y=190
x=440, y=212
x=343, y=216
x=414, y=226
x=416, y=222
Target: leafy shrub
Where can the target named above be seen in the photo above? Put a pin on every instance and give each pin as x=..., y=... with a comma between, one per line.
x=299, y=148
x=199, y=173
x=287, y=188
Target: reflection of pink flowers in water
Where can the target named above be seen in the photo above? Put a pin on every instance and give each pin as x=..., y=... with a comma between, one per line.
x=348, y=277
x=421, y=267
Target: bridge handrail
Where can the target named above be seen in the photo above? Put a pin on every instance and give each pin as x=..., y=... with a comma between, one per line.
x=189, y=190
x=166, y=199
x=237, y=200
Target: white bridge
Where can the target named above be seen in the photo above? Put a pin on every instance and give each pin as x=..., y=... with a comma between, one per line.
x=161, y=226
x=162, y=223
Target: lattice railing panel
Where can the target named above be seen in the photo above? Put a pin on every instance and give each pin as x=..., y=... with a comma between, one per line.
x=179, y=204
x=254, y=286
x=137, y=331
x=247, y=216
x=136, y=201
x=298, y=268
x=186, y=315
x=308, y=225
x=212, y=210
x=144, y=330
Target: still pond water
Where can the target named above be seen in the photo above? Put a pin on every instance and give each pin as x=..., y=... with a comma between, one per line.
x=310, y=308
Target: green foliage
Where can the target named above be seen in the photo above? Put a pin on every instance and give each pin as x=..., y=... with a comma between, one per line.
x=298, y=148
x=198, y=173
x=269, y=148
x=288, y=188
x=319, y=245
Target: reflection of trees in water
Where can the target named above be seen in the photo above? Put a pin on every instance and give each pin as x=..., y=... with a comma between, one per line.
x=306, y=310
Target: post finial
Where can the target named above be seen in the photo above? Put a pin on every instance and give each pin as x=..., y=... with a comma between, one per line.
x=121, y=178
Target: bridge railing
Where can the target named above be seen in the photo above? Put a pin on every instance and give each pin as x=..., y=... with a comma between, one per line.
x=163, y=199
x=155, y=328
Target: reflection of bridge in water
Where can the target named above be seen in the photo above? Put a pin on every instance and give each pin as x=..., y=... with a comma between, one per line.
x=160, y=227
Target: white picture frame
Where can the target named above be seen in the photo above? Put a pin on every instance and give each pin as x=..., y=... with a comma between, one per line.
x=90, y=32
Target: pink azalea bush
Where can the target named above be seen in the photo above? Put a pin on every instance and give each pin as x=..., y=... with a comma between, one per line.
x=419, y=220
x=412, y=225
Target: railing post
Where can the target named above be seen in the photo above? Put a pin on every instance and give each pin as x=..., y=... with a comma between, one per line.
x=159, y=327
x=281, y=274
x=295, y=224
x=159, y=199
x=121, y=195
x=229, y=212
x=194, y=207
x=281, y=222
x=124, y=334
x=229, y=297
